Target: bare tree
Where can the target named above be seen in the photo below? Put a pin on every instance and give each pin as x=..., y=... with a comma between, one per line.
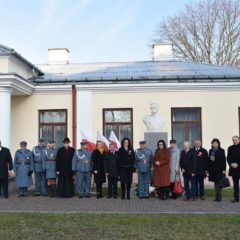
x=206, y=31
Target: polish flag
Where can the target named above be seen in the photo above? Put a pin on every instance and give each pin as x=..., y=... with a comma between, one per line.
x=105, y=142
x=113, y=139
x=90, y=145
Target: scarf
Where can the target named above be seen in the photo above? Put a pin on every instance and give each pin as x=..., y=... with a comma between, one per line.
x=101, y=150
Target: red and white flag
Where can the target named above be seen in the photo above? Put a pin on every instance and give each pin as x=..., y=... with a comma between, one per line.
x=105, y=142
x=90, y=144
x=113, y=139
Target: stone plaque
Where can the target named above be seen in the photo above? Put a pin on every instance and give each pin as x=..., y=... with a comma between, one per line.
x=153, y=137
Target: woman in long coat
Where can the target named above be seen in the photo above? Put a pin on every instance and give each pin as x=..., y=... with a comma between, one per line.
x=216, y=167
x=23, y=167
x=161, y=171
x=174, y=165
x=50, y=166
x=126, y=158
x=98, y=157
x=65, y=187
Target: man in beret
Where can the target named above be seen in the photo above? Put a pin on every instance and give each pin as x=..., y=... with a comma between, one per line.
x=65, y=187
x=5, y=165
x=82, y=166
x=143, y=164
x=39, y=169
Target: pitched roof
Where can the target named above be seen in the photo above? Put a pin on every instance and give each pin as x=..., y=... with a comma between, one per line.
x=139, y=71
x=5, y=51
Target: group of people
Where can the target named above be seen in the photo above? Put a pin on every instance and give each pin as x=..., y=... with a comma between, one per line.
x=57, y=170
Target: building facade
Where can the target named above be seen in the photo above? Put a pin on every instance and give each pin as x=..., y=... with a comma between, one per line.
x=61, y=99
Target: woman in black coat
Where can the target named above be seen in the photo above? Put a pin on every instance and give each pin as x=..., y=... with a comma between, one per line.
x=126, y=158
x=216, y=167
x=98, y=157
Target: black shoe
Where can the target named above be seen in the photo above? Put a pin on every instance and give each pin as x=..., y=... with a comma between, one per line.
x=235, y=200
x=146, y=197
x=88, y=196
x=202, y=198
x=6, y=196
x=80, y=196
x=115, y=197
x=141, y=197
x=109, y=197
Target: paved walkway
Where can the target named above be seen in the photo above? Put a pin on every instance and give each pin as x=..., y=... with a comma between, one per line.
x=135, y=205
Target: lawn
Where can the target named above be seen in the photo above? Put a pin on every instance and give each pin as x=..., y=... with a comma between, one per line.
x=118, y=226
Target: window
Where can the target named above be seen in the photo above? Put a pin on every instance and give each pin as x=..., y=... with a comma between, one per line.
x=53, y=125
x=186, y=125
x=118, y=120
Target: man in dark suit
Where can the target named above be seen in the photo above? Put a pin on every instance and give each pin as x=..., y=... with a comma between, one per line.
x=5, y=165
x=112, y=170
x=233, y=158
x=202, y=165
x=188, y=166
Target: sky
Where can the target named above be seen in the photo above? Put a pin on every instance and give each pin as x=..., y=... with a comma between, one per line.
x=93, y=30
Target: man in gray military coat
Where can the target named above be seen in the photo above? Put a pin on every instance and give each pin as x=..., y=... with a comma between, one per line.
x=143, y=164
x=39, y=170
x=82, y=166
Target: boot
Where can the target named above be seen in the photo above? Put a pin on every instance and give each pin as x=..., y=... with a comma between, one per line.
x=54, y=188
x=50, y=190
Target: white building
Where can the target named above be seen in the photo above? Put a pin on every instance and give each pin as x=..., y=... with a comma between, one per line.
x=61, y=98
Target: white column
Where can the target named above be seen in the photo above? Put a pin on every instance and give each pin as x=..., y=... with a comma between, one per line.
x=5, y=116
x=84, y=114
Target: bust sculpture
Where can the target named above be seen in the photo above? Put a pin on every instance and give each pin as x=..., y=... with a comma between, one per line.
x=154, y=122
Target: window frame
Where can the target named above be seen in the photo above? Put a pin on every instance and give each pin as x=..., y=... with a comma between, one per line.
x=117, y=123
x=187, y=122
x=52, y=124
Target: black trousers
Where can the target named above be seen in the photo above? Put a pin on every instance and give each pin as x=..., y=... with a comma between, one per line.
x=163, y=192
x=4, y=186
x=236, y=187
x=99, y=188
x=112, y=186
x=125, y=186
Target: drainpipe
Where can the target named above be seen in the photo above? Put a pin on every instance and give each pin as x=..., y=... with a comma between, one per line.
x=74, y=118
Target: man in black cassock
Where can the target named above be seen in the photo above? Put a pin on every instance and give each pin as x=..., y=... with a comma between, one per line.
x=65, y=187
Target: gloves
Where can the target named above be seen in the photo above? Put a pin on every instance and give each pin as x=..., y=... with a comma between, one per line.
x=30, y=173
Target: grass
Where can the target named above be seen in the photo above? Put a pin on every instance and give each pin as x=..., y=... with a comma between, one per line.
x=118, y=226
x=226, y=193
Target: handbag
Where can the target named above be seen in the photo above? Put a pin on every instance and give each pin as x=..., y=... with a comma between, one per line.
x=224, y=182
x=177, y=188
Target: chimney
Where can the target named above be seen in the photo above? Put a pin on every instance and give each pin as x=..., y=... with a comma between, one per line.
x=58, y=56
x=163, y=51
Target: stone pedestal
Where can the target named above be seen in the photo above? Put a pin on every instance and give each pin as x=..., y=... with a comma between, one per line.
x=153, y=137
